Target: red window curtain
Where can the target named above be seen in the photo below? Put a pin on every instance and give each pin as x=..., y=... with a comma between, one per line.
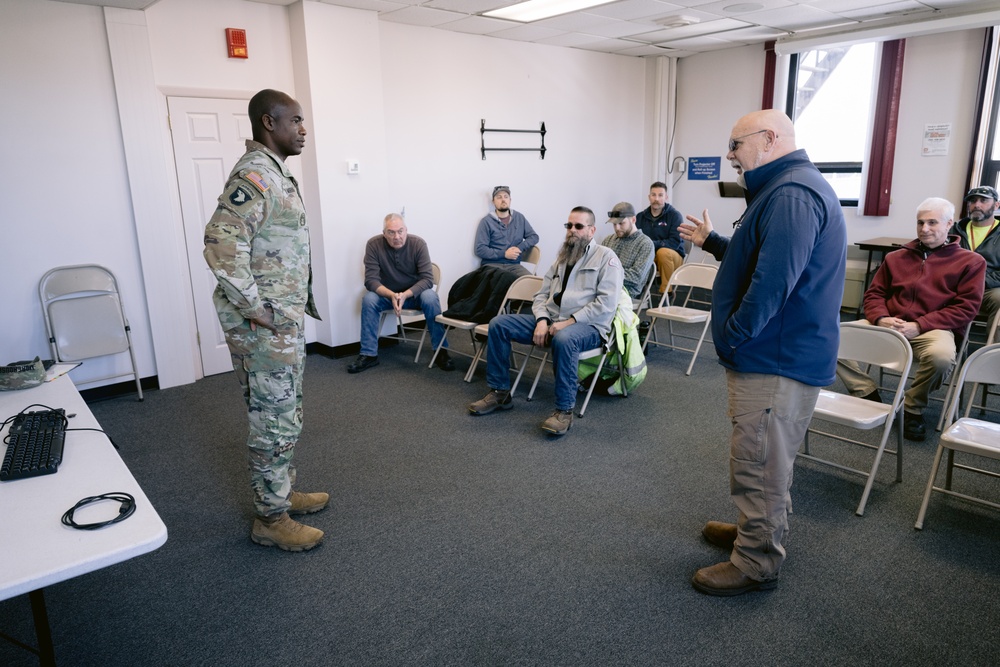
x=770, y=63
x=890, y=78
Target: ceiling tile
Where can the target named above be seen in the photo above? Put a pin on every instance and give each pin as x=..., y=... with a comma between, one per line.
x=721, y=7
x=373, y=5
x=795, y=18
x=615, y=28
x=608, y=45
x=573, y=21
x=721, y=25
x=570, y=39
x=646, y=50
x=467, y=6
x=636, y=9
x=526, y=33
x=477, y=25
x=883, y=11
x=421, y=16
x=703, y=43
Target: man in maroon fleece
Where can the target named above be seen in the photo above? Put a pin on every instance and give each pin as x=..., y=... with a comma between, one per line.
x=928, y=290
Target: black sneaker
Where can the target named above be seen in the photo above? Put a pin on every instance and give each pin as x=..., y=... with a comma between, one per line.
x=444, y=361
x=913, y=427
x=362, y=363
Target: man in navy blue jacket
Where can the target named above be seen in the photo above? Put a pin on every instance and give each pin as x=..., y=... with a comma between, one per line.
x=775, y=322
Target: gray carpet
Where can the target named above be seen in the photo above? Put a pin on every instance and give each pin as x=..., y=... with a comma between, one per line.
x=460, y=540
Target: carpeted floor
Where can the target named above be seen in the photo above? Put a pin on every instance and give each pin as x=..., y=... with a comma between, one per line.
x=460, y=540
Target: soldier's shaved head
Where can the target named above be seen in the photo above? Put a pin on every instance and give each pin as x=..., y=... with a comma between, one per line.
x=267, y=101
x=276, y=120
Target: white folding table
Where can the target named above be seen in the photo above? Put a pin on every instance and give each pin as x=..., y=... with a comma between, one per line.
x=36, y=549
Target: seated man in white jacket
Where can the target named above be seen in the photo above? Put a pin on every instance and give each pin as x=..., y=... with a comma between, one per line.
x=571, y=313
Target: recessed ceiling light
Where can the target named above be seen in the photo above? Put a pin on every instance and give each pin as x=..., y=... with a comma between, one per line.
x=535, y=10
x=743, y=7
x=676, y=21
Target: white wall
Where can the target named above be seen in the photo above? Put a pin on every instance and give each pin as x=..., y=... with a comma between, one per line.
x=713, y=90
x=940, y=74
x=435, y=100
x=65, y=189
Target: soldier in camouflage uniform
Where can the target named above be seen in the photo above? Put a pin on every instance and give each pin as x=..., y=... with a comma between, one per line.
x=257, y=246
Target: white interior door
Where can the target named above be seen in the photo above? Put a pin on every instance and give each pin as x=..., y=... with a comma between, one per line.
x=208, y=137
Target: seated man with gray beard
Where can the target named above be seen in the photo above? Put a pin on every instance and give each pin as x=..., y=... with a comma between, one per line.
x=571, y=313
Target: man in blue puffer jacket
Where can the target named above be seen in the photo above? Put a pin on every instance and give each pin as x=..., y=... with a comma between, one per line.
x=775, y=322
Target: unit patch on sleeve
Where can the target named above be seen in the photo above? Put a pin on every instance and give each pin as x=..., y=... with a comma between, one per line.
x=240, y=196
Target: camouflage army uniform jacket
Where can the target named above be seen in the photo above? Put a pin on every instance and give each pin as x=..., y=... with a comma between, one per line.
x=257, y=244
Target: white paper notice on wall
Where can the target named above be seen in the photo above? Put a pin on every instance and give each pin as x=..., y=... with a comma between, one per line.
x=937, y=137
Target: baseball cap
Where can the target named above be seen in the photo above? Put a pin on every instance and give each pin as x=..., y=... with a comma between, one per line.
x=982, y=191
x=621, y=210
x=500, y=188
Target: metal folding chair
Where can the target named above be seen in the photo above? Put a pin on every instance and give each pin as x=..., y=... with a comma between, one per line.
x=409, y=316
x=691, y=276
x=84, y=316
x=967, y=435
x=878, y=346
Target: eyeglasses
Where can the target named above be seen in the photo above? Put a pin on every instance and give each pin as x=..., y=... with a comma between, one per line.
x=575, y=225
x=735, y=143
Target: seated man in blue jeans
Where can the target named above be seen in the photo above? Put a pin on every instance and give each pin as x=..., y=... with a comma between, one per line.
x=571, y=313
x=398, y=275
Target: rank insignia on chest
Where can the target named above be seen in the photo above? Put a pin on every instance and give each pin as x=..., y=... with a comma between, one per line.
x=239, y=196
x=257, y=180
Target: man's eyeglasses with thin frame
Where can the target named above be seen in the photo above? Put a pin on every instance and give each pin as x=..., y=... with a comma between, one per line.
x=735, y=143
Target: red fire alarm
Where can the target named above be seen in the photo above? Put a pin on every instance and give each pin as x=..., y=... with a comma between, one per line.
x=236, y=40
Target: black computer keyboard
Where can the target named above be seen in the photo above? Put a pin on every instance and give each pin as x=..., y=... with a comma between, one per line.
x=34, y=444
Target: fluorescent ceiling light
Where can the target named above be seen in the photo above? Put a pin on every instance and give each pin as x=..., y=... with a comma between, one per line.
x=535, y=10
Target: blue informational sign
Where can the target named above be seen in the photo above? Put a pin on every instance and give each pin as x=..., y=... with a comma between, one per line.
x=704, y=168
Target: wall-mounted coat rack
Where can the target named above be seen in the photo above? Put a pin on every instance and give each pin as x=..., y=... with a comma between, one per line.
x=482, y=139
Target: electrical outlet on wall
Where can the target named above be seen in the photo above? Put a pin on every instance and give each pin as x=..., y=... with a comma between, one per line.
x=353, y=167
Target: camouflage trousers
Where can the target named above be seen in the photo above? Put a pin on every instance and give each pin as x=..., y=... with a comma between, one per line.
x=269, y=368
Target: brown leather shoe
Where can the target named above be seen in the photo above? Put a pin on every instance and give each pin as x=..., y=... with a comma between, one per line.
x=495, y=400
x=720, y=534
x=725, y=579
x=558, y=423
x=307, y=503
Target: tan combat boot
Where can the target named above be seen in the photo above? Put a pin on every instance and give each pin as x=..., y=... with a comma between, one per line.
x=307, y=503
x=283, y=532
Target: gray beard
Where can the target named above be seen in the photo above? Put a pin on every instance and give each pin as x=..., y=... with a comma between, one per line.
x=572, y=250
x=977, y=216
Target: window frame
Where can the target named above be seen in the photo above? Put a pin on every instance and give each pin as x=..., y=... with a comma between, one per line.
x=824, y=167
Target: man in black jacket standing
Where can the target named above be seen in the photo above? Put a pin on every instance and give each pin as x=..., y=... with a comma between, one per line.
x=979, y=232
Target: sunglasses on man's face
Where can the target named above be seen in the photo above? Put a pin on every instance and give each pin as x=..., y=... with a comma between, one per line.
x=575, y=225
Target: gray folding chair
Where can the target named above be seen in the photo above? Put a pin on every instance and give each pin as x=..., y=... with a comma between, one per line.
x=533, y=257
x=882, y=347
x=967, y=435
x=690, y=276
x=522, y=291
x=84, y=316
x=644, y=300
x=409, y=316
